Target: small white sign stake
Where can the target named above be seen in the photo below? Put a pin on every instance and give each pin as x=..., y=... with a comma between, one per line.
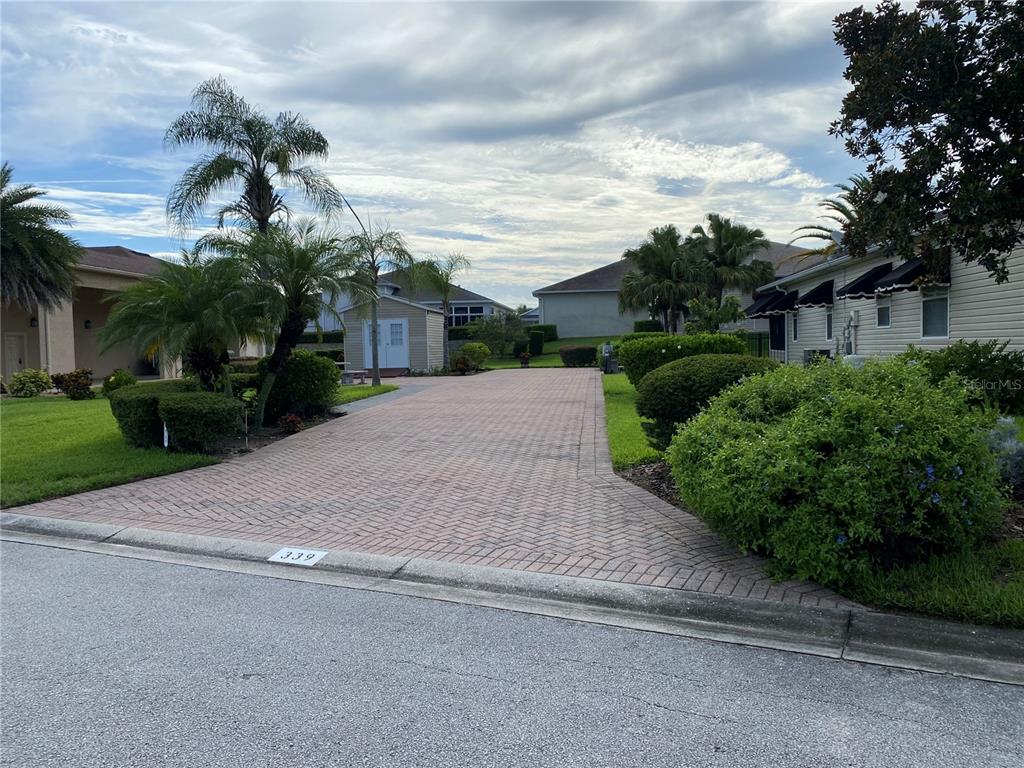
x=296, y=556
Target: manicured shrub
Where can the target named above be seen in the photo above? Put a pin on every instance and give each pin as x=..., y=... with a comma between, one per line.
x=578, y=357
x=291, y=423
x=536, y=342
x=647, y=326
x=550, y=330
x=136, y=410
x=116, y=380
x=476, y=353
x=641, y=356
x=993, y=376
x=196, y=420
x=677, y=391
x=459, y=333
x=836, y=472
x=249, y=365
x=29, y=382
x=243, y=381
x=639, y=335
x=306, y=385
x=334, y=355
x=77, y=384
x=520, y=346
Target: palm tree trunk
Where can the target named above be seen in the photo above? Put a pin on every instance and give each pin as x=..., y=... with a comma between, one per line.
x=446, y=356
x=375, y=342
x=287, y=338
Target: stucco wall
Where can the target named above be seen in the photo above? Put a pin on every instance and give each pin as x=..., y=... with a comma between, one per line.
x=90, y=306
x=15, y=320
x=591, y=313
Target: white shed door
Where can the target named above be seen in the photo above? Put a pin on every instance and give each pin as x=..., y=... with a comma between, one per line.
x=393, y=343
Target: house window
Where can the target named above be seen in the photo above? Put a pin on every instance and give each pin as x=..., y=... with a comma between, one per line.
x=461, y=315
x=796, y=328
x=396, y=335
x=883, y=313
x=934, y=314
x=828, y=325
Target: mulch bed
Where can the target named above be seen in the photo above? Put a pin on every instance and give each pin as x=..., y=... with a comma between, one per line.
x=235, y=446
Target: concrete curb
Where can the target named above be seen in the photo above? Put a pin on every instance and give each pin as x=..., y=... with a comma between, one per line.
x=909, y=642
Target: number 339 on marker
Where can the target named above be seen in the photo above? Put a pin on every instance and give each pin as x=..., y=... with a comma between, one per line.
x=296, y=556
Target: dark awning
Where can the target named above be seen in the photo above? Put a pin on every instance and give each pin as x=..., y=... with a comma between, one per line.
x=905, y=277
x=780, y=304
x=761, y=302
x=863, y=287
x=819, y=296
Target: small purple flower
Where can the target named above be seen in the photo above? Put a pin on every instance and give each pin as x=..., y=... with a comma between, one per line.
x=929, y=470
x=897, y=429
x=841, y=539
x=958, y=471
x=936, y=498
x=922, y=486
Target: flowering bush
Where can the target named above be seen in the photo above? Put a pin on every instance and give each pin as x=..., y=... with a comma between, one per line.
x=835, y=472
x=29, y=382
x=77, y=384
x=291, y=423
x=116, y=380
x=640, y=356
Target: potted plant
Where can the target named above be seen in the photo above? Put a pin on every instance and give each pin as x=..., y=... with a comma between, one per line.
x=524, y=360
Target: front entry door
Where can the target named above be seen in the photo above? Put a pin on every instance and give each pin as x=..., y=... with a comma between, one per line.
x=393, y=344
x=15, y=351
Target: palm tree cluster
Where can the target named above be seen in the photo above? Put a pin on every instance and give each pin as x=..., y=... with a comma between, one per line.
x=267, y=277
x=672, y=273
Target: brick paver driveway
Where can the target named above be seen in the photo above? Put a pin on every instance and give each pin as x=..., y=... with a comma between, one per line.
x=507, y=469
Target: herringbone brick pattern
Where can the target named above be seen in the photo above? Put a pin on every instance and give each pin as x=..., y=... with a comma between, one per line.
x=507, y=469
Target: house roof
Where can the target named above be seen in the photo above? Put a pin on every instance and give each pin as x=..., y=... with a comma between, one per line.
x=392, y=297
x=117, y=258
x=785, y=258
x=431, y=296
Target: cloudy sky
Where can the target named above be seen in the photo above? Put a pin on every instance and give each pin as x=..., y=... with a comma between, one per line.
x=539, y=139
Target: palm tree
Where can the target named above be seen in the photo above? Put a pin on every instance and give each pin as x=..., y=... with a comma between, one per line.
x=38, y=260
x=245, y=148
x=839, y=213
x=299, y=274
x=729, y=250
x=665, y=276
x=439, y=274
x=377, y=249
x=195, y=310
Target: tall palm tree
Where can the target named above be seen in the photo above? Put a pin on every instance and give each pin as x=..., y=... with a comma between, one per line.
x=378, y=248
x=195, y=310
x=665, y=276
x=729, y=250
x=439, y=274
x=300, y=272
x=247, y=149
x=38, y=260
x=839, y=212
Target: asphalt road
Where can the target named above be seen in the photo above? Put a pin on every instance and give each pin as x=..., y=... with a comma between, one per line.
x=116, y=662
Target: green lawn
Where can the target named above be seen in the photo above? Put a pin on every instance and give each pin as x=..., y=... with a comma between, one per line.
x=626, y=437
x=52, y=446
x=353, y=392
x=550, y=358
x=982, y=587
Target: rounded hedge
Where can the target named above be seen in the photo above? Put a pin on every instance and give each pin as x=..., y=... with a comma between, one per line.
x=29, y=382
x=836, y=472
x=76, y=384
x=136, y=410
x=639, y=357
x=647, y=326
x=578, y=357
x=195, y=420
x=677, y=391
x=307, y=385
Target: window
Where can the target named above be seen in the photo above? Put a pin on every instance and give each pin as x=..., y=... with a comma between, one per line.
x=828, y=325
x=796, y=329
x=461, y=315
x=883, y=313
x=396, y=335
x=934, y=314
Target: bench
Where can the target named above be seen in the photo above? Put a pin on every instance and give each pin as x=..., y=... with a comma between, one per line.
x=348, y=374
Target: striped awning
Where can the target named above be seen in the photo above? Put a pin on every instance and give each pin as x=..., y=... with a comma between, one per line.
x=906, y=277
x=863, y=287
x=779, y=305
x=819, y=296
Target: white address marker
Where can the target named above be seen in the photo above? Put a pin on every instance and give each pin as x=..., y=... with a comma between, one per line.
x=296, y=556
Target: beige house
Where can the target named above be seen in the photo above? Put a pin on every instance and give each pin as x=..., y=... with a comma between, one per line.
x=411, y=336
x=65, y=338
x=879, y=306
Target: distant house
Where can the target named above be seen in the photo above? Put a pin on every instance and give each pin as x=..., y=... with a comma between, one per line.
x=65, y=338
x=411, y=335
x=879, y=306
x=588, y=304
x=531, y=316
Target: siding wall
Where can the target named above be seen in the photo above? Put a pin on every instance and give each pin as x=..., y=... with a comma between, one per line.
x=752, y=325
x=590, y=313
x=434, y=341
x=419, y=338
x=979, y=310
